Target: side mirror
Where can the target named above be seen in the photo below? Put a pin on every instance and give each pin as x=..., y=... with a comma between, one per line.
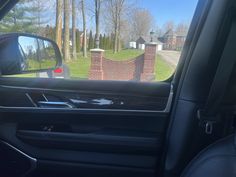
x=25, y=53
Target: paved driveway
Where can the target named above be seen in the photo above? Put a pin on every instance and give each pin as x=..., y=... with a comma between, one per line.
x=172, y=57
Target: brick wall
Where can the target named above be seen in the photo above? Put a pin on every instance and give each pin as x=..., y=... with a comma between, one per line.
x=123, y=70
x=140, y=68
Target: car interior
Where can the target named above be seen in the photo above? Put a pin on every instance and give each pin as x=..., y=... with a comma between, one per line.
x=184, y=126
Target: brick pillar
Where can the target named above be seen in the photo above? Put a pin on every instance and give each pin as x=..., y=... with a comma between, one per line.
x=149, y=62
x=96, y=72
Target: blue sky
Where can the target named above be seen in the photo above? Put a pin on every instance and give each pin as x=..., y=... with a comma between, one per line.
x=162, y=11
x=165, y=10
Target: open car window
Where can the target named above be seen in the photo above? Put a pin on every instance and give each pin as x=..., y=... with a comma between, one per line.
x=143, y=42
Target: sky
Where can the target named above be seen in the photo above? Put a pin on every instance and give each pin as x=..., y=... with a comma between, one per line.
x=166, y=10
x=162, y=11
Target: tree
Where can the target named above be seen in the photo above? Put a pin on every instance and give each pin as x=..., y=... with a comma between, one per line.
x=58, y=35
x=84, y=30
x=18, y=19
x=104, y=41
x=66, y=47
x=39, y=7
x=182, y=29
x=169, y=26
x=142, y=23
x=111, y=41
x=107, y=43
x=159, y=31
x=49, y=32
x=97, y=20
x=117, y=11
x=100, y=41
x=91, y=41
x=78, y=48
x=73, y=30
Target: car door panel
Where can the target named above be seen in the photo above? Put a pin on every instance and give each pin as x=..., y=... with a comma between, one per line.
x=86, y=94
x=113, y=129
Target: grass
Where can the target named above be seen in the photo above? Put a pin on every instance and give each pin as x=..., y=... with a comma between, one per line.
x=30, y=75
x=79, y=69
x=163, y=69
x=123, y=55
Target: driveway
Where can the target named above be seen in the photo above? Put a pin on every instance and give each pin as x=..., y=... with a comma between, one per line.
x=170, y=56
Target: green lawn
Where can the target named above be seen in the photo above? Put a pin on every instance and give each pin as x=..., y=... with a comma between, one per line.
x=163, y=69
x=123, y=55
x=79, y=69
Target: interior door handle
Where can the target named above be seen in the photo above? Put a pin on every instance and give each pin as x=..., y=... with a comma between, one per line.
x=50, y=104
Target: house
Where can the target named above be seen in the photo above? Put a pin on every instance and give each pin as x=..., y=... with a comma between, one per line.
x=180, y=40
x=169, y=40
x=132, y=45
x=142, y=40
x=172, y=40
x=81, y=36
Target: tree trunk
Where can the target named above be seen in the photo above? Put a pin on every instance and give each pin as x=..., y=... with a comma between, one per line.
x=115, y=41
x=73, y=30
x=97, y=20
x=59, y=23
x=118, y=36
x=84, y=30
x=66, y=48
x=38, y=14
x=116, y=29
x=78, y=41
x=119, y=13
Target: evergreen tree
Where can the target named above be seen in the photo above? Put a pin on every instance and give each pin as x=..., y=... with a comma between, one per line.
x=104, y=41
x=91, y=41
x=18, y=19
x=101, y=42
x=26, y=16
x=78, y=47
x=38, y=8
x=111, y=43
x=107, y=43
x=49, y=32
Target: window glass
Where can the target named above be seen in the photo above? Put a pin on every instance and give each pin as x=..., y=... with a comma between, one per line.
x=132, y=40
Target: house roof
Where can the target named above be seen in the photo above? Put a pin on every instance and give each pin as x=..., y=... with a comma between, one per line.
x=170, y=32
x=148, y=39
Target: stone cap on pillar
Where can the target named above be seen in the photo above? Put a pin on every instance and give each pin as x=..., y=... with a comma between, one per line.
x=97, y=50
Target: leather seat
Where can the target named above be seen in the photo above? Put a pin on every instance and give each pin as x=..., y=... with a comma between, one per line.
x=217, y=160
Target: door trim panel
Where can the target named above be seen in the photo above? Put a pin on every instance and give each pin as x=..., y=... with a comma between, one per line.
x=27, y=90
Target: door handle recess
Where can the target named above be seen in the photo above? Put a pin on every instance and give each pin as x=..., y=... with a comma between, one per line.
x=50, y=104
